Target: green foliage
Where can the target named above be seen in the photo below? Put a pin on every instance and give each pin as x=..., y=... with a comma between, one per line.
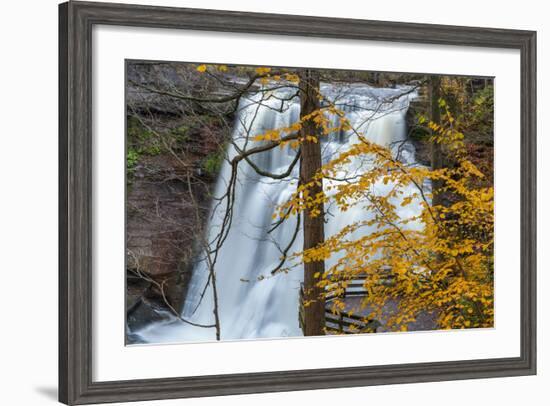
x=418, y=131
x=143, y=141
x=188, y=134
x=140, y=141
x=132, y=158
x=480, y=117
x=180, y=134
x=136, y=131
x=212, y=163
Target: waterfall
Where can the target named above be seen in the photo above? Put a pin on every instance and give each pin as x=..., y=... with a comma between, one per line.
x=252, y=302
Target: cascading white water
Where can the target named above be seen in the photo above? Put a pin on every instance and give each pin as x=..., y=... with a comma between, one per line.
x=251, y=302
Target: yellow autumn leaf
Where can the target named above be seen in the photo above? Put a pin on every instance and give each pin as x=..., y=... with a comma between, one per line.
x=262, y=70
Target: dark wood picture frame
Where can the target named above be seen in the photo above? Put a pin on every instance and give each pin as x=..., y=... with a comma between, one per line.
x=76, y=20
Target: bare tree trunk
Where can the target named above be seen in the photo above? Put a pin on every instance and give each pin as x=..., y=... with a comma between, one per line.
x=436, y=154
x=314, y=312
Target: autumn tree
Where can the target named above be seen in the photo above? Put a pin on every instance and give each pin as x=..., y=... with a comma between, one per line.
x=443, y=267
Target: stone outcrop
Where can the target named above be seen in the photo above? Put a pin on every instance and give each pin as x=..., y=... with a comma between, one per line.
x=167, y=194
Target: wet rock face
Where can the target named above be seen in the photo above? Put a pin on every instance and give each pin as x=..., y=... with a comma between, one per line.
x=172, y=150
x=142, y=313
x=154, y=237
x=162, y=224
x=155, y=211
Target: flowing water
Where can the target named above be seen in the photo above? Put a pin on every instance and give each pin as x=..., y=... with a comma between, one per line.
x=252, y=302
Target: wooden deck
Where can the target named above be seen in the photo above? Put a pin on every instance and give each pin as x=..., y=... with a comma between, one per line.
x=348, y=320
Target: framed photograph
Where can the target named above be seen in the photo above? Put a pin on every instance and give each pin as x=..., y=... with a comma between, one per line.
x=261, y=202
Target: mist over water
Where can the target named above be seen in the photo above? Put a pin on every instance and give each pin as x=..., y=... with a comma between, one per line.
x=252, y=302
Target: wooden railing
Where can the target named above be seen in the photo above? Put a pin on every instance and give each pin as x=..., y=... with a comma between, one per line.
x=342, y=321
